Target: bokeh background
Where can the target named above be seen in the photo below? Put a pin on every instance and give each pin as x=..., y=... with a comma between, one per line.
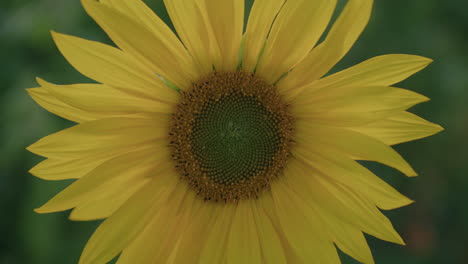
x=435, y=227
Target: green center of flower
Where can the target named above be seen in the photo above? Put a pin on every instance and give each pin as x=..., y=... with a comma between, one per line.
x=235, y=138
x=230, y=136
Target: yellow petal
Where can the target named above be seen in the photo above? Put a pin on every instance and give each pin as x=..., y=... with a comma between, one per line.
x=354, y=105
x=101, y=136
x=140, y=12
x=60, y=168
x=398, y=128
x=270, y=242
x=166, y=227
x=261, y=18
x=112, y=175
x=350, y=173
x=116, y=233
x=53, y=169
x=301, y=226
x=226, y=19
x=339, y=201
x=155, y=51
x=56, y=106
x=295, y=31
x=102, y=205
x=215, y=242
x=104, y=99
x=340, y=39
x=243, y=243
x=268, y=207
x=352, y=144
x=361, y=96
x=355, y=202
x=348, y=238
x=113, y=67
x=383, y=70
x=194, y=30
x=203, y=217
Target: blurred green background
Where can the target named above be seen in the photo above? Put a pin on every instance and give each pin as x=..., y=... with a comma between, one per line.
x=435, y=227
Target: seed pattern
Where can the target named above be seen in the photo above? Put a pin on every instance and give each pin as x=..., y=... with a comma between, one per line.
x=230, y=136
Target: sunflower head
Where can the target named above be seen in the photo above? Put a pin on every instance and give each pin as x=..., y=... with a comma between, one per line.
x=230, y=135
x=194, y=157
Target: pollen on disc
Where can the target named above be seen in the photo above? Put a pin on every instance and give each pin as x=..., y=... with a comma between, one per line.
x=230, y=136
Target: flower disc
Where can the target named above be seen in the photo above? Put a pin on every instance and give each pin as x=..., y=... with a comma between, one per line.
x=231, y=135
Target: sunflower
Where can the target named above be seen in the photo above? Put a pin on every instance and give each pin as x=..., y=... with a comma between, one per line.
x=225, y=145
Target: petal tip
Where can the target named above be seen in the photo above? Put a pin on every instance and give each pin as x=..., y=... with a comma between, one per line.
x=56, y=35
x=401, y=242
x=73, y=216
x=31, y=148
x=40, y=81
x=36, y=147
x=409, y=171
x=32, y=91
x=428, y=60
x=41, y=210
x=438, y=128
x=54, y=205
x=419, y=58
x=33, y=171
x=424, y=98
x=423, y=61
x=407, y=202
x=60, y=39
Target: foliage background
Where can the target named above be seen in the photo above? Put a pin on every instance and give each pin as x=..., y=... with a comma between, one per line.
x=434, y=227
